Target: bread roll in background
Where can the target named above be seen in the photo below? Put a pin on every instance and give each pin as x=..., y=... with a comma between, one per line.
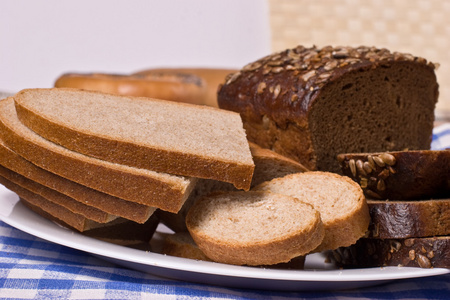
x=190, y=85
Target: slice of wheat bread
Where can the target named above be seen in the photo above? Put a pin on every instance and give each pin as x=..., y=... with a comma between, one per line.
x=57, y=198
x=400, y=175
x=254, y=228
x=406, y=219
x=268, y=165
x=112, y=205
x=427, y=252
x=160, y=190
x=157, y=135
x=340, y=201
x=58, y=212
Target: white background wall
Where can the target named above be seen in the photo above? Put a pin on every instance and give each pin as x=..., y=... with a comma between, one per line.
x=40, y=40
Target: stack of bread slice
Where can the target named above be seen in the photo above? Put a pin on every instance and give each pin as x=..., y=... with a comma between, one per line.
x=90, y=160
x=409, y=204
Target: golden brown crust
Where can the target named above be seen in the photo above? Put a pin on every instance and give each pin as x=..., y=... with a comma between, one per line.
x=213, y=77
x=115, y=180
x=187, y=88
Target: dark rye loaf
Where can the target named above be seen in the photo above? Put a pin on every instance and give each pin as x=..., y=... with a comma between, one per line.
x=400, y=175
x=311, y=104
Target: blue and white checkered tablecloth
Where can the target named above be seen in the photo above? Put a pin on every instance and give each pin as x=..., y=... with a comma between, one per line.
x=32, y=268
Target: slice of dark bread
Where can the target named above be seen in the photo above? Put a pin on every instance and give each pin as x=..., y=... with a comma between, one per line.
x=400, y=175
x=406, y=219
x=311, y=104
x=429, y=252
x=254, y=228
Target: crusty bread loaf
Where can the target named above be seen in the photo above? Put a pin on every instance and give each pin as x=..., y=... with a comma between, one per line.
x=157, y=135
x=400, y=175
x=406, y=219
x=179, y=87
x=72, y=205
x=107, y=203
x=149, y=188
x=340, y=201
x=429, y=252
x=311, y=104
x=254, y=228
x=268, y=165
x=212, y=76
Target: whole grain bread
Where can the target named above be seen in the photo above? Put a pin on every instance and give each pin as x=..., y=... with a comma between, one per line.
x=141, y=186
x=311, y=104
x=407, y=219
x=254, y=228
x=112, y=205
x=427, y=252
x=268, y=165
x=162, y=136
x=400, y=175
x=340, y=201
x=72, y=205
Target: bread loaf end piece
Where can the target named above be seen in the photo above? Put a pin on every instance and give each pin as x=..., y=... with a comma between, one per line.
x=311, y=104
x=254, y=228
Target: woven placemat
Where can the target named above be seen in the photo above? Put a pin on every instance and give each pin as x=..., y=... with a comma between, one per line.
x=419, y=27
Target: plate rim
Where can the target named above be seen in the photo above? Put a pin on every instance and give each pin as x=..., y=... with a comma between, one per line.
x=74, y=240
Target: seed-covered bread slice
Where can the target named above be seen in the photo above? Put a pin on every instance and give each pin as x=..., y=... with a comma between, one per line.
x=406, y=219
x=400, y=175
x=141, y=186
x=426, y=252
x=254, y=228
x=340, y=201
x=158, y=135
x=268, y=165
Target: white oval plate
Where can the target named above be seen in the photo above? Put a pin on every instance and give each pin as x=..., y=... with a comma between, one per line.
x=317, y=274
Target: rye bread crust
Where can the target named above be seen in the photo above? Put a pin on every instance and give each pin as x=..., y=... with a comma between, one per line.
x=310, y=104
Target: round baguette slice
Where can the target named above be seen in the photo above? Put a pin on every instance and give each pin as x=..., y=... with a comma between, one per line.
x=254, y=228
x=340, y=201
